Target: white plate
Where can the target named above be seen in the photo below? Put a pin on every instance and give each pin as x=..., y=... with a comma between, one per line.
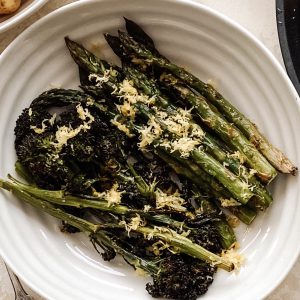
x=61, y=266
x=26, y=9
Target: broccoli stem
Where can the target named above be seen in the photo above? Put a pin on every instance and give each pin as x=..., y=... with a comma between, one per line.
x=141, y=184
x=60, y=198
x=82, y=225
x=186, y=246
x=150, y=267
x=23, y=172
x=47, y=207
x=174, y=239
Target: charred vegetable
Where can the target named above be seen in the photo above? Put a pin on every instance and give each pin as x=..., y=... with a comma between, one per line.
x=146, y=160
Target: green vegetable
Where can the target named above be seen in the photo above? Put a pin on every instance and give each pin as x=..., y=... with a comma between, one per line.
x=207, y=184
x=274, y=155
x=208, y=115
x=145, y=160
x=263, y=198
x=169, y=236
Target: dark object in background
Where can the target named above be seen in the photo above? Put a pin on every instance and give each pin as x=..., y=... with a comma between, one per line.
x=288, y=25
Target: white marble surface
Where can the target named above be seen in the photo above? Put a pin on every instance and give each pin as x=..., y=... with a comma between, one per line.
x=258, y=16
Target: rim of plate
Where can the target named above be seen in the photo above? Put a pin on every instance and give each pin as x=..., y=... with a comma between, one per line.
x=22, y=15
x=197, y=6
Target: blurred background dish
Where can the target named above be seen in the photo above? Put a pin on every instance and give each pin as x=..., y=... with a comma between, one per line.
x=288, y=25
x=26, y=8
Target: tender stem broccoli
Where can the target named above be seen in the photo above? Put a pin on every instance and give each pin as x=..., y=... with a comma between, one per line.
x=64, y=199
x=169, y=236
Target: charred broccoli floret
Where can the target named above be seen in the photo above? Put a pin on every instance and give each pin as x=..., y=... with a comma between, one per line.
x=36, y=154
x=181, y=277
x=208, y=236
x=175, y=276
x=29, y=120
x=88, y=154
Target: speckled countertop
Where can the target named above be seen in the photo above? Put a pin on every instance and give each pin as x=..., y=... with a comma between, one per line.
x=258, y=16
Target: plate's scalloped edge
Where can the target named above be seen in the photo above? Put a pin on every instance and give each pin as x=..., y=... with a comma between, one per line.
x=21, y=15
